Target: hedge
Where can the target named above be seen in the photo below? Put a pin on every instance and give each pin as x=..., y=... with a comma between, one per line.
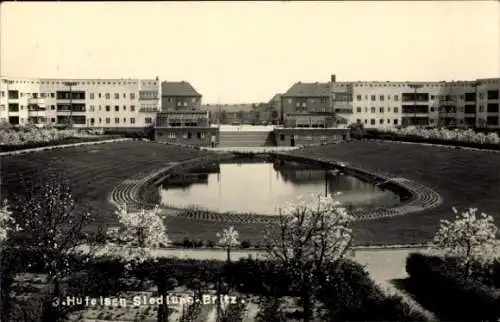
x=377, y=135
x=348, y=292
x=443, y=287
x=34, y=145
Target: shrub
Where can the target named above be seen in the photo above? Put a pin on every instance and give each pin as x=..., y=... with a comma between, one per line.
x=442, y=285
x=210, y=244
x=245, y=244
x=187, y=242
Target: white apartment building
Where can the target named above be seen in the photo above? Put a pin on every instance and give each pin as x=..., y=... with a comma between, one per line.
x=388, y=104
x=97, y=103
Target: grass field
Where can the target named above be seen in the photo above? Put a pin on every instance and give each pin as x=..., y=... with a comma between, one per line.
x=463, y=178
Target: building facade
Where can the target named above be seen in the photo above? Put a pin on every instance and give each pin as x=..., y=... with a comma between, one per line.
x=378, y=104
x=473, y=104
x=179, y=96
x=94, y=103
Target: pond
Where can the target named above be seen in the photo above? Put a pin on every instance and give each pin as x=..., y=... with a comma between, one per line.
x=262, y=187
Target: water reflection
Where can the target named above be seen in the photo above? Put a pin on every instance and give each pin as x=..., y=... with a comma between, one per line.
x=261, y=187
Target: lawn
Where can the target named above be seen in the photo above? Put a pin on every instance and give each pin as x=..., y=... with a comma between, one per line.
x=464, y=178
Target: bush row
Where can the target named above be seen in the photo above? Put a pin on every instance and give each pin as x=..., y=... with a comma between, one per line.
x=442, y=285
x=73, y=140
x=347, y=292
x=377, y=135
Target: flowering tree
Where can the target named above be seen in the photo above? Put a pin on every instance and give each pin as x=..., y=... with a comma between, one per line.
x=311, y=237
x=228, y=238
x=470, y=237
x=142, y=231
x=51, y=225
x=7, y=225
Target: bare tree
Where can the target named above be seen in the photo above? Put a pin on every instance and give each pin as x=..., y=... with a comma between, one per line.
x=311, y=236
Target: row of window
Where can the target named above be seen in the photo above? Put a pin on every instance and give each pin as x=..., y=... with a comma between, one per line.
x=374, y=110
x=380, y=121
x=441, y=84
x=185, y=136
x=85, y=82
x=107, y=120
x=181, y=103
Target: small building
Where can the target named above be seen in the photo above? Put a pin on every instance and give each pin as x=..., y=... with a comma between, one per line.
x=185, y=127
x=179, y=96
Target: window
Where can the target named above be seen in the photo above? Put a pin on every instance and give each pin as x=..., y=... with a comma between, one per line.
x=148, y=120
x=53, y=120
x=132, y=108
x=381, y=121
x=395, y=121
x=359, y=97
x=388, y=121
x=193, y=100
x=396, y=110
x=396, y=97
x=432, y=109
x=366, y=121
x=171, y=135
x=492, y=108
x=100, y=120
x=432, y=97
x=117, y=96
x=52, y=107
x=117, y=108
x=92, y=108
x=381, y=110
x=381, y=97
x=373, y=97
x=108, y=120
x=108, y=108
x=124, y=95
x=117, y=120
x=92, y=121
x=2, y=93
x=282, y=137
x=373, y=110
x=124, y=107
x=358, y=109
x=372, y=121
x=124, y=120
x=52, y=95
x=99, y=95
x=388, y=109
x=91, y=96
x=366, y=109
x=358, y=121
x=132, y=96
x=132, y=120
x=108, y=96
x=493, y=95
x=42, y=95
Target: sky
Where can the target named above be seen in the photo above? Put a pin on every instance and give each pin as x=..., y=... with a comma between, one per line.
x=244, y=52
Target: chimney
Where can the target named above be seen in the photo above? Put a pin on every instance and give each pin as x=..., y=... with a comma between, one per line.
x=333, y=78
x=157, y=78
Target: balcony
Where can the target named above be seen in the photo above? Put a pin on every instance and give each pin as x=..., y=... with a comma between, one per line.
x=343, y=110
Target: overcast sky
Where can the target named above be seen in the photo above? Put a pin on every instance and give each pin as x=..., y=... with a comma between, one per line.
x=246, y=52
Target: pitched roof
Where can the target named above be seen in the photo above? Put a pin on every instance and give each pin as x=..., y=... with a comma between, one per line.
x=178, y=89
x=308, y=90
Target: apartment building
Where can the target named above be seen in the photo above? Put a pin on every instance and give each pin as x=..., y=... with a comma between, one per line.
x=379, y=104
x=448, y=104
x=179, y=96
x=99, y=103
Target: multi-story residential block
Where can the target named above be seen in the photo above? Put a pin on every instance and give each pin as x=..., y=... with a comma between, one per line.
x=433, y=104
x=98, y=103
x=388, y=104
x=179, y=96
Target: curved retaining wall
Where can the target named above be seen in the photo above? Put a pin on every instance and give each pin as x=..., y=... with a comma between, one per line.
x=414, y=196
x=130, y=192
